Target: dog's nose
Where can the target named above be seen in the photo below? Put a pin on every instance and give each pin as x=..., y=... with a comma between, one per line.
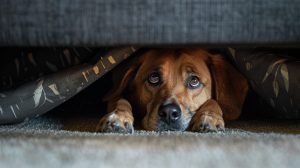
x=170, y=112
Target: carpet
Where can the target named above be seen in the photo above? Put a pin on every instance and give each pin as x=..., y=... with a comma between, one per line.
x=51, y=141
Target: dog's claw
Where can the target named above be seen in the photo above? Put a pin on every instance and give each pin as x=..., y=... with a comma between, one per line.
x=221, y=128
x=207, y=124
x=205, y=127
x=116, y=123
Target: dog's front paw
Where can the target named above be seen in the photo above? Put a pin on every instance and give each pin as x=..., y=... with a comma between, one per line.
x=116, y=122
x=207, y=123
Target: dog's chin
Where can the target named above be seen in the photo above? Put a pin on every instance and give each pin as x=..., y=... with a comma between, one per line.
x=163, y=126
x=160, y=125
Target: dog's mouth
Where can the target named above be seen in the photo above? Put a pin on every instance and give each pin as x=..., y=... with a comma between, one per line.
x=180, y=125
x=164, y=126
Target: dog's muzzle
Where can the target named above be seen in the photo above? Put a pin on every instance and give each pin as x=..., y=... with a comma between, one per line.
x=169, y=117
x=169, y=113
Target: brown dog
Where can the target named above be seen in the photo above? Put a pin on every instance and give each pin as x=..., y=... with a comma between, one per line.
x=175, y=89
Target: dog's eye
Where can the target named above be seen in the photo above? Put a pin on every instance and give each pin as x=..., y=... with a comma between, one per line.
x=194, y=82
x=154, y=78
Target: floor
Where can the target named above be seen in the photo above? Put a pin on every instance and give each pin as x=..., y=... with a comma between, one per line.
x=51, y=141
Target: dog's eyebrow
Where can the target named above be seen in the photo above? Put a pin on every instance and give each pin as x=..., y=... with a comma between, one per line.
x=146, y=75
x=156, y=69
x=190, y=68
x=193, y=74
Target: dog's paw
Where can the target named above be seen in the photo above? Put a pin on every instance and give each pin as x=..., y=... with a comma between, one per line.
x=115, y=122
x=207, y=123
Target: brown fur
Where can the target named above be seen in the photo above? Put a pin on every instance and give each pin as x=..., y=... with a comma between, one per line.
x=203, y=109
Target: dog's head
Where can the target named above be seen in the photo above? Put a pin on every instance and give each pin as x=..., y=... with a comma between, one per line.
x=169, y=85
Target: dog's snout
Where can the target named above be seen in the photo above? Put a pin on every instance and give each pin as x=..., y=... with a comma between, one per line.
x=170, y=112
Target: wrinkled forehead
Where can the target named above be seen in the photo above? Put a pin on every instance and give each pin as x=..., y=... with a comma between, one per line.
x=156, y=58
x=170, y=59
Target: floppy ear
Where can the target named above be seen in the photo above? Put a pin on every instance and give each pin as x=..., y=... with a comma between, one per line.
x=122, y=76
x=229, y=87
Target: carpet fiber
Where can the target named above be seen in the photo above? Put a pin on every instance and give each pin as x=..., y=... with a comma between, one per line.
x=70, y=142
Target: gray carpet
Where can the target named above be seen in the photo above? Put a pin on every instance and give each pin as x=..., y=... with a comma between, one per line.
x=70, y=142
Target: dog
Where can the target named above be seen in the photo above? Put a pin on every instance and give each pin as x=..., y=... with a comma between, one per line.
x=189, y=89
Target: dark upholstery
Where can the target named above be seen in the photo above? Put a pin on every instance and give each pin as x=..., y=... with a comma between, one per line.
x=35, y=83
x=51, y=23
x=148, y=22
x=274, y=75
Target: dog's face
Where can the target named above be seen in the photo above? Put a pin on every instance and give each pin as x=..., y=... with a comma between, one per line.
x=170, y=86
